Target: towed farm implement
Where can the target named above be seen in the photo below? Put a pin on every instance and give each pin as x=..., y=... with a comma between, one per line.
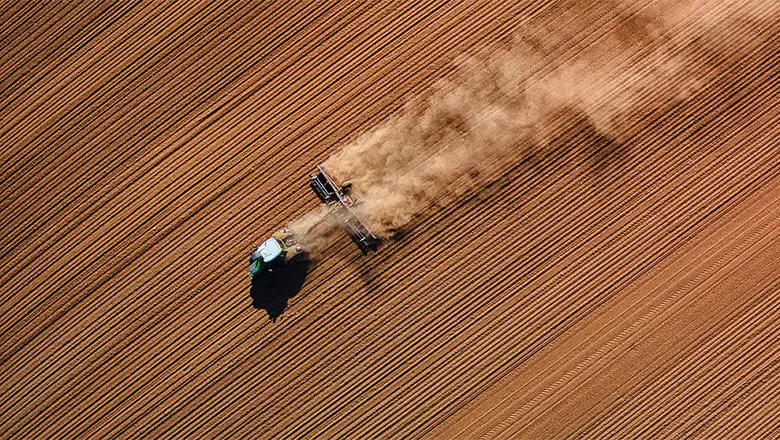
x=283, y=248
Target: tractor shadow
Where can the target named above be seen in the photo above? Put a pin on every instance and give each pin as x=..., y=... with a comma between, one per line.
x=271, y=291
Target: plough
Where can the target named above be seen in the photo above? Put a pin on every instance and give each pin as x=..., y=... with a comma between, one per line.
x=342, y=205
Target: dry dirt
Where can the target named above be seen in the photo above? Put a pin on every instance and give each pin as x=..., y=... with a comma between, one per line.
x=616, y=280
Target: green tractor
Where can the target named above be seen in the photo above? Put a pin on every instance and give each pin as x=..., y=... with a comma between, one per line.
x=282, y=249
x=277, y=252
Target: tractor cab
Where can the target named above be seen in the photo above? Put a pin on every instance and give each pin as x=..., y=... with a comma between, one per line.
x=269, y=250
x=264, y=256
x=275, y=253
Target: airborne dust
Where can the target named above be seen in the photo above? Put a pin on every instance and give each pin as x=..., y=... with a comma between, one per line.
x=502, y=104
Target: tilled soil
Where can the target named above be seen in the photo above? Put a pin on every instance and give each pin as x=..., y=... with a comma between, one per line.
x=599, y=287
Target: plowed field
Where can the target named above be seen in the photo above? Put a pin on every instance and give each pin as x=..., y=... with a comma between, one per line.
x=619, y=283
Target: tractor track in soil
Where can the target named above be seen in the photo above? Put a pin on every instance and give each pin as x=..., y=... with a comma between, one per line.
x=144, y=142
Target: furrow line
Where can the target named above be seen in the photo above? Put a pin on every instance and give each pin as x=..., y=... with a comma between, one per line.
x=497, y=361
x=21, y=49
x=58, y=165
x=96, y=207
x=642, y=392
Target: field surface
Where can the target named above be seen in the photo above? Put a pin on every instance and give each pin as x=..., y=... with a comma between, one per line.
x=621, y=286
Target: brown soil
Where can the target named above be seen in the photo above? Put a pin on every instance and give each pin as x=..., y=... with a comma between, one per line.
x=607, y=285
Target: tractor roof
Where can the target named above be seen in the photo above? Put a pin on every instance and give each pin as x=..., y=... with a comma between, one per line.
x=270, y=249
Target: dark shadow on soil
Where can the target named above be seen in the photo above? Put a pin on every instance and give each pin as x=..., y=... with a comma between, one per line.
x=272, y=290
x=582, y=145
x=604, y=154
x=370, y=269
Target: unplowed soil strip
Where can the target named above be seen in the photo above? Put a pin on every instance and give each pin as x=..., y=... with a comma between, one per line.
x=723, y=263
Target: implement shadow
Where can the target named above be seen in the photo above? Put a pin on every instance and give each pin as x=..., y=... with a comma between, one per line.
x=581, y=144
x=271, y=291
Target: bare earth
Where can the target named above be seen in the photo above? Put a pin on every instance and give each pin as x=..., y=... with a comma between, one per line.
x=602, y=287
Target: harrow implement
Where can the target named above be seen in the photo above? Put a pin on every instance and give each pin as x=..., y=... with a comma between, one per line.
x=342, y=205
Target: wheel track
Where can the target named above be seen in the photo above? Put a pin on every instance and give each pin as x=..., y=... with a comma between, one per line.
x=644, y=394
x=703, y=373
x=752, y=415
x=688, y=375
x=585, y=339
x=411, y=399
x=665, y=308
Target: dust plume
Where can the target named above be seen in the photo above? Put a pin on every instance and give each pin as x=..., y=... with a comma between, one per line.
x=315, y=229
x=503, y=104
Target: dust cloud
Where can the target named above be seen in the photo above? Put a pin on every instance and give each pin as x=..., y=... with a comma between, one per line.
x=502, y=104
x=315, y=229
